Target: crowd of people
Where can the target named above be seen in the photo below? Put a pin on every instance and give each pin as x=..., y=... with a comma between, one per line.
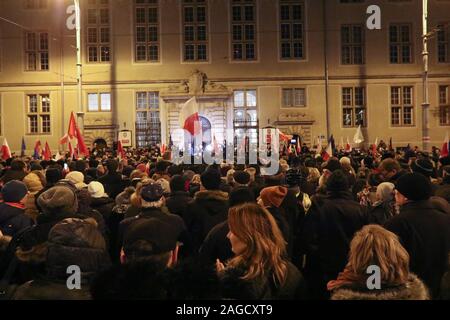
x=146, y=228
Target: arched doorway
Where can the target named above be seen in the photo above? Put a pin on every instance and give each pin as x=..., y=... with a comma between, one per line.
x=100, y=144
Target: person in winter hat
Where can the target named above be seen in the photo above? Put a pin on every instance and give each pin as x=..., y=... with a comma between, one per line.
x=12, y=210
x=70, y=242
x=423, y=230
x=77, y=178
x=35, y=182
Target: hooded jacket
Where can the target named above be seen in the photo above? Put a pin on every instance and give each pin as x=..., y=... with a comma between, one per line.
x=209, y=208
x=425, y=233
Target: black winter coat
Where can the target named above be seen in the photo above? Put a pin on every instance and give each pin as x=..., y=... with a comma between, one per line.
x=425, y=234
x=13, y=219
x=329, y=228
x=209, y=208
x=177, y=202
x=216, y=244
x=113, y=184
x=233, y=287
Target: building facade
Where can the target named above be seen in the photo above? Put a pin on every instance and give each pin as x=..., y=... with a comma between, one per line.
x=309, y=67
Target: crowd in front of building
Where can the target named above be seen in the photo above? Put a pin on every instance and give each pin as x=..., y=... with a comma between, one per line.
x=146, y=228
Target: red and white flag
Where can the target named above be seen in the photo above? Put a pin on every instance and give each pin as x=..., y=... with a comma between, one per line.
x=47, y=152
x=348, y=146
x=445, y=148
x=81, y=146
x=71, y=131
x=189, y=118
x=6, y=152
x=328, y=153
x=121, y=151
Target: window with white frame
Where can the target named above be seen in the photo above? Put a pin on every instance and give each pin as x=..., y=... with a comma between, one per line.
x=98, y=31
x=294, y=98
x=292, y=29
x=443, y=40
x=146, y=19
x=402, y=106
x=148, y=124
x=352, y=44
x=400, y=44
x=35, y=4
x=36, y=51
x=245, y=116
x=444, y=106
x=38, y=114
x=354, y=106
x=99, y=102
x=243, y=30
x=195, y=30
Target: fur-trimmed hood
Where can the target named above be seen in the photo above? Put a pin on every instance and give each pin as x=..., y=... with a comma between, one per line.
x=211, y=195
x=414, y=289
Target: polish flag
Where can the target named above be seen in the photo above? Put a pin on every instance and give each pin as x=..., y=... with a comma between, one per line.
x=6, y=152
x=120, y=151
x=348, y=147
x=189, y=118
x=445, y=147
x=80, y=145
x=163, y=148
x=374, y=147
x=47, y=152
x=328, y=153
x=71, y=132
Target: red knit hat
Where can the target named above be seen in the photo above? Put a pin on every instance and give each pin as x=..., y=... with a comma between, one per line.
x=273, y=196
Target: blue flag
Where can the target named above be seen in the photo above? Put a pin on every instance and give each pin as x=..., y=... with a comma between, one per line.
x=23, y=148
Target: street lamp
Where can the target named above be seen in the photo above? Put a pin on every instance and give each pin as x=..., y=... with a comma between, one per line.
x=425, y=103
x=80, y=111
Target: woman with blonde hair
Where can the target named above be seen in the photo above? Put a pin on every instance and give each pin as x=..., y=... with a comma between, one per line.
x=259, y=269
x=377, y=248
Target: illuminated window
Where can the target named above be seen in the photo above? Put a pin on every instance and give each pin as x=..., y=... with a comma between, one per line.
x=38, y=114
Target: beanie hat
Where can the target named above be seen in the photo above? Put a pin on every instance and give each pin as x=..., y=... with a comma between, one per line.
x=293, y=177
x=14, y=191
x=152, y=192
x=211, y=179
x=58, y=200
x=240, y=195
x=35, y=181
x=241, y=177
x=177, y=183
x=333, y=164
x=77, y=178
x=53, y=175
x=414, y=186
x=161, y=235
x=337, y=182
x=273, y=196
x=96, y=190
x=423, y=166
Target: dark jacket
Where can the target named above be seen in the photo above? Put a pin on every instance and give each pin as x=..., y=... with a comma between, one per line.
x=414, y=289
x=443, y=190
x=113, y=184
x=73, y=244
x=104, y=206
x=233, y=287
x=209, y=208
x=329, y=228
x=13, y=219
x=177, y=202
x=381, y=212
x=216, y=244
x=425, y=234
